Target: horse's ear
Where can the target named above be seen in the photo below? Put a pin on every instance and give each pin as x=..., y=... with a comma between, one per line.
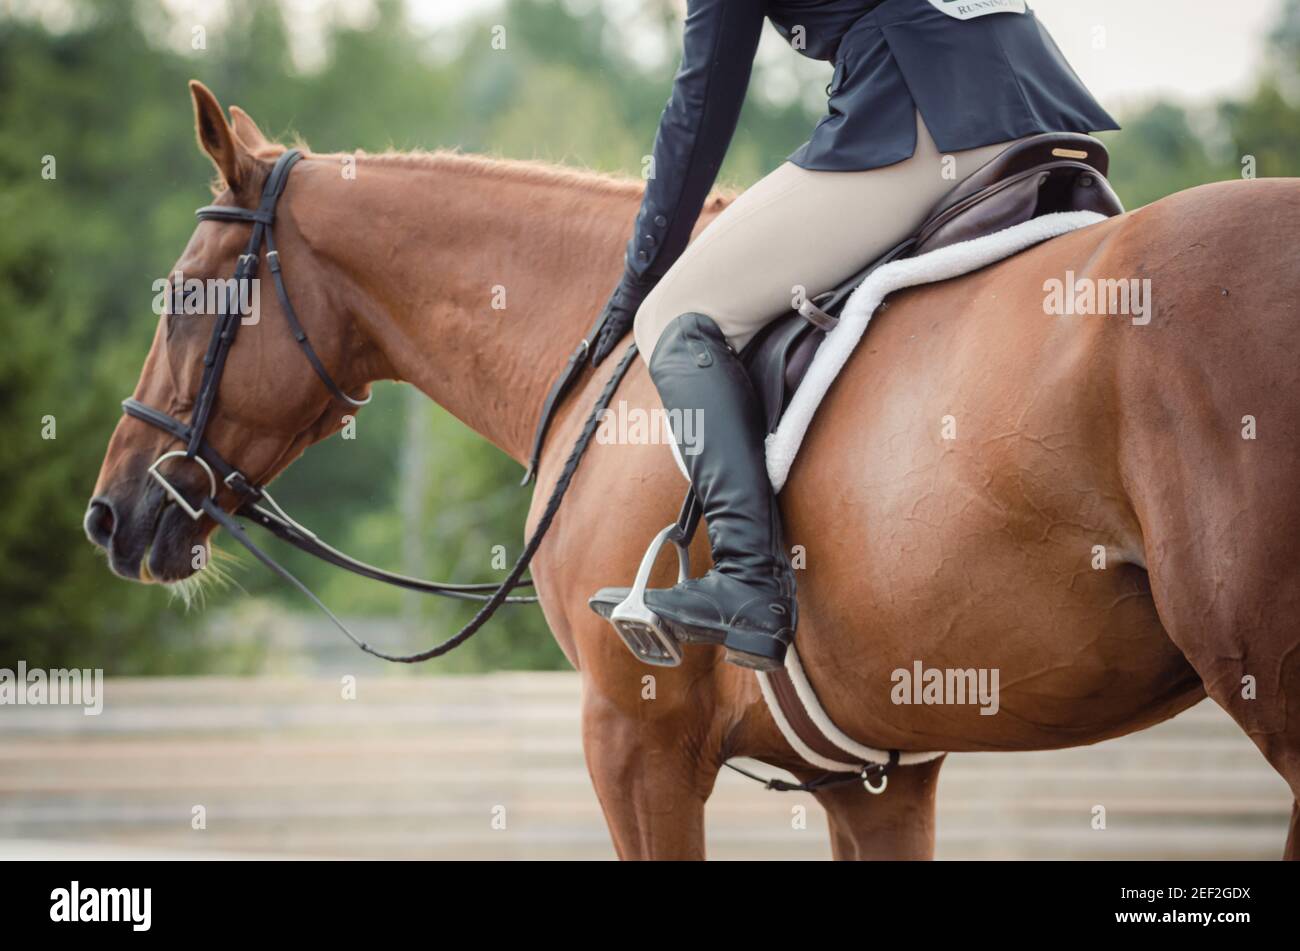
x=247, y=132
x=216, y=138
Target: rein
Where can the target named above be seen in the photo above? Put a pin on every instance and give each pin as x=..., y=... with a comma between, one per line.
x=492, y=602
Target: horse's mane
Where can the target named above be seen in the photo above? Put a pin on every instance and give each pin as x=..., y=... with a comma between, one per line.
x=533, y=171
x=526, y=170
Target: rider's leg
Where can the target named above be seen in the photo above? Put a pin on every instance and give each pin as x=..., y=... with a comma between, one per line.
x=799, y=229
x=746, y=601
x=795, y=231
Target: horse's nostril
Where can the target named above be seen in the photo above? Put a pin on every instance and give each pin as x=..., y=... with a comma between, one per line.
x=100, y=521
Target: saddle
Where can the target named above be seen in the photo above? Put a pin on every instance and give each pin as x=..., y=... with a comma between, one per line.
x=1041, y=175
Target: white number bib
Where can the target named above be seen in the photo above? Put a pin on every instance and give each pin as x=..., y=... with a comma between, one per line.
x=970, y=9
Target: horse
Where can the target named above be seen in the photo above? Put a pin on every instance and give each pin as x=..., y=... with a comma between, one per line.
x=1100, y=508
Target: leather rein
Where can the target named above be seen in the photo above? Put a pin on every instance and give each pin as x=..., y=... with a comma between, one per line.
x=256, y=504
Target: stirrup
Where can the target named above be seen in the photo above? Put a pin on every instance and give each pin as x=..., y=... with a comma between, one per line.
x=645, y=635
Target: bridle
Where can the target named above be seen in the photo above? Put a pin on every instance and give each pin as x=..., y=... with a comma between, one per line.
x=254, y=502
x=197, y=449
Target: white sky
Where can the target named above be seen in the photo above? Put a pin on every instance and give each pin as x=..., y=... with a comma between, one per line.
x=1189, y=50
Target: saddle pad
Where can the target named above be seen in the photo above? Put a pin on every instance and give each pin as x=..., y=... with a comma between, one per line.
x=833, y=354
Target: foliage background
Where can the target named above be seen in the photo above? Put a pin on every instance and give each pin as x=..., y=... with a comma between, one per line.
x=100, y=85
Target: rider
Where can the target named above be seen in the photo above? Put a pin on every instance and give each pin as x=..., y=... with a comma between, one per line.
x=924, y=92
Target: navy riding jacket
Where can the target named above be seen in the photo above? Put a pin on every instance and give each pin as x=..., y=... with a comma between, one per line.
x=978, y=71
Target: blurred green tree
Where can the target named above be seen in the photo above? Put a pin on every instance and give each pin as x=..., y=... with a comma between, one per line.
x=101, y=90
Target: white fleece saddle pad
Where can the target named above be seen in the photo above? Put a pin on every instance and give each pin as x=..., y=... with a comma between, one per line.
x=833, y=354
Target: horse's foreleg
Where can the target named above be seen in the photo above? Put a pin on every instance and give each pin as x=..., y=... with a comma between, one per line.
x=652, y=776
x=897, y=824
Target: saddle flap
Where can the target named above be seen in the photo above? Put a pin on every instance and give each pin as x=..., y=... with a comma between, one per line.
x=769, y=357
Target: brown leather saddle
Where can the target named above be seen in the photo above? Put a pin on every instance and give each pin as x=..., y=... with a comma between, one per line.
x=1040, y=175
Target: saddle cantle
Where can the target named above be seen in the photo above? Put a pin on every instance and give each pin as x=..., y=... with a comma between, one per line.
x=1041, y=175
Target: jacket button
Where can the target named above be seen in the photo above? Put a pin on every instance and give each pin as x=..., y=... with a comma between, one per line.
x=642, y=256
x=648, y=239
x=661, y=221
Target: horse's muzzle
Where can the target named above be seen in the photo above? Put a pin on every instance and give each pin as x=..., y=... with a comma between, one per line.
x=146, y=538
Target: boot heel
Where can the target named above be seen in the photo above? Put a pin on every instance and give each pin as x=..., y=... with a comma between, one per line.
x=755, y=651
x=753, y=661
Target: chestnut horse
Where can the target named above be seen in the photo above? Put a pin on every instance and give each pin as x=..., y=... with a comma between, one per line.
x=1103, y=510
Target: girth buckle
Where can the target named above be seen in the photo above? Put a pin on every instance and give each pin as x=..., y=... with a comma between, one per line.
x=878, y=769
x=810, y=312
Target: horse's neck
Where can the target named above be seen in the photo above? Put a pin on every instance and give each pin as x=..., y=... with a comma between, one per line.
x=477, y=279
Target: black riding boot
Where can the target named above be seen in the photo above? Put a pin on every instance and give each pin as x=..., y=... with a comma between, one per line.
x=746, y=601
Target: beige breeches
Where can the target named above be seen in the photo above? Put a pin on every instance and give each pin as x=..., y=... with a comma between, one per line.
x=798, y=232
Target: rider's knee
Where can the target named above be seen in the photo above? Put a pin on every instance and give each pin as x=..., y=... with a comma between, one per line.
x=654, y=314
x=651, y=323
